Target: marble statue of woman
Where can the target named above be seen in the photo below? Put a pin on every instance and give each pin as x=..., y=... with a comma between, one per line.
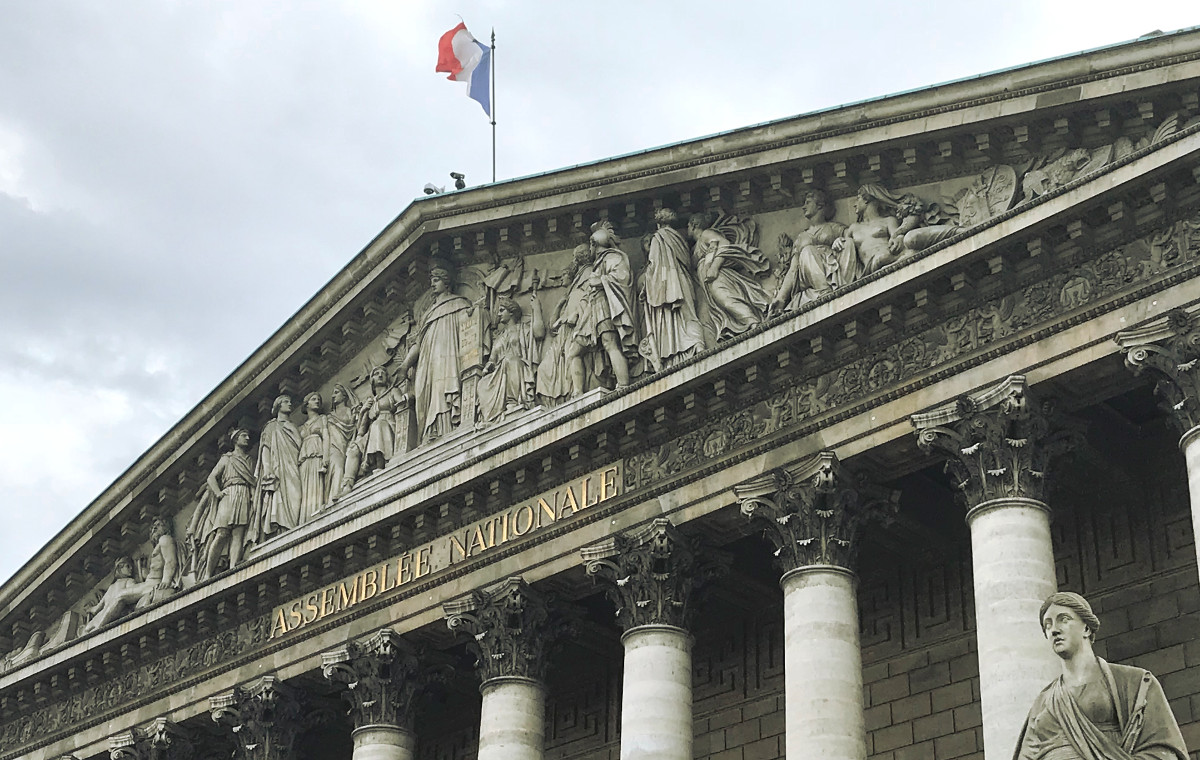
x=507, y=384
x=377, y=421
x=315, y=456
x=876, y=238
x=278, y=492
x=672, y=327
x=814, y=268
x=553, y=376
x=434, y=358
x=342, y=423
x=121, y=595
x=730, y=269
x=220, y=522
x=1095, y=709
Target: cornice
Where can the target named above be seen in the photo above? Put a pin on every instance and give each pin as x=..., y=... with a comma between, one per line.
x=423, y=216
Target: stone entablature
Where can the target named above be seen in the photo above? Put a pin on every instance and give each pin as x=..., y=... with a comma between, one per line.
x=1027, y=268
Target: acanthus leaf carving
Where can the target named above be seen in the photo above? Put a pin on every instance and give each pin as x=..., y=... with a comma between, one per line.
x=1169, y=348
x=814, y=513
x=382, y=677
x=265, y=717
x=159, y=740
x=653, y=574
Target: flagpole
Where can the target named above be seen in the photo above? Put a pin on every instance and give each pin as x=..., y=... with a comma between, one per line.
x=493, y=104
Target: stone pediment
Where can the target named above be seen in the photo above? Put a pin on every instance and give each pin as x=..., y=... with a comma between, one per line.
x=492, y=347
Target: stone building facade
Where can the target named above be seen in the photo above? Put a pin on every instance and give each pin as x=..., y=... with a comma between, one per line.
x=765, y=445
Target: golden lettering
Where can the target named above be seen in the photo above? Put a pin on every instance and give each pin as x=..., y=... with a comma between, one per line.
x=370, y=580
x=383, y=583
x=346, y=600
x=586, y=503
x=547, y=509
x=294, y=613
x=608, y=484
x=326, y=598
x=280, y=624
x=477, y=539
x=423, y=561
x=491, y=534
x=517, y=520
x=456, y=544
x=310, y=605
x=570, y=501
x=403, y=568
x=504, y=527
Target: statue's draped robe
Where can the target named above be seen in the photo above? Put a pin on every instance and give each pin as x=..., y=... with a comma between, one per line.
x=513, y=351
x=277, y=497
x=235, y=473
x=816, y=269
x=553, y=380
x=1134, y=722
x=609, y=306
x=734, y=300
x=671, y=324
x=314, y=468
x=438, y=382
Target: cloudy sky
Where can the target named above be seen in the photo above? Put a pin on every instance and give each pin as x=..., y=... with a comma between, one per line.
x=177, y=178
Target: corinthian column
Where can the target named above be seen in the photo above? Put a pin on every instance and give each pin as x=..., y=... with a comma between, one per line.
x=814, y=517
x=264, y=718
x=381, y=678
x=511, y=628
x=651, y=575
x=160, y=740
x=998, y=444
x=1169, y=348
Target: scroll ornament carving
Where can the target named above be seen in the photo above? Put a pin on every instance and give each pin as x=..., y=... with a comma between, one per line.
x=1169, y=347
x=998, y=442
x=382, y=677
x=652, y=574
x=265, y=718
x=512, y=628
x=814, y=513
x=160, y=740
x=155, y=677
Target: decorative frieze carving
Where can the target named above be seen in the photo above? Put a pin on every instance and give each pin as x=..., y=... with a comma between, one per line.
x=160, y=740
x=1169, y=347
x=814, y=513
x=998, y=442
x=265, y=718
x=382, y=676
x=652, y=574
x=512, y=629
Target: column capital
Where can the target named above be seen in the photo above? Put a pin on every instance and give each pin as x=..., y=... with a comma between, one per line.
x=265, y=717
x=512, y=628
x=159, y=740
x=813, y=512
x=382, y=676
x=998, y=442
x=1170, y=348
x=652, y=573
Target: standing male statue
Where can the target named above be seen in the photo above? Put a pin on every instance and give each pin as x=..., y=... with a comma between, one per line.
x=1095, y=711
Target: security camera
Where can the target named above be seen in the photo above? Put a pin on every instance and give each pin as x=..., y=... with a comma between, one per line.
x=432, y=189
x=459, y=180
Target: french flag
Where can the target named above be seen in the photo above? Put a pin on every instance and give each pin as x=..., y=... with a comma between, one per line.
x=466, y=59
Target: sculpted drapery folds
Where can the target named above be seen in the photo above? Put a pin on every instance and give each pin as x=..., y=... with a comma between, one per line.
x=814, y=268
x=668, y=297
x=342, y=430
x=513, y=352
x=120, y=597
x=277, y=492
x=554, y=383
x=315, y=455
x=814, y=513
x=990, y=194
x=652, y=574
x=998, y=442
x=433, y=360
x=219, y=523
x=731, y=270
x=163, y=573
x=1095, y=709
x=381, y=436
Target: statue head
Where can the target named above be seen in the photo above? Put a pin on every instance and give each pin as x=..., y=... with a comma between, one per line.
x=342, y=395
x=283, y=404
x=441, y=276
x=238, y=436
x=158, y=529
x=878, y=195
x=604, y=236
x=380, y=377
x=507, y=304
x=698, y=223
x=123, y=567
x=1066, y=614
x=666, y=217
x=817, y=206
x=312, y=403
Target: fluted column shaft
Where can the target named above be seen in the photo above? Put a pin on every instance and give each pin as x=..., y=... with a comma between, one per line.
x=1190, y=444
x=822, y=665
x=1012, y=560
